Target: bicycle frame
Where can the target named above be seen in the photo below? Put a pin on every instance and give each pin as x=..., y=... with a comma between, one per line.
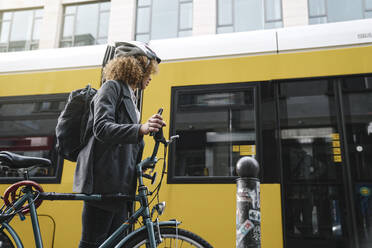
x=141, y=197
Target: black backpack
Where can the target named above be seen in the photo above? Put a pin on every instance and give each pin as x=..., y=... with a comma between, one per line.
x=72, y=131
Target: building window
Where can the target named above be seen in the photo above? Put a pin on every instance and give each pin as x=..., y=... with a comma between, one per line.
x=240, y=15
x=85, y=24
x=27, y=127
x=368, y=9
x=217, y=126
x=20, y=30
x=317, y=11
x=323, y=11
x=163, y=19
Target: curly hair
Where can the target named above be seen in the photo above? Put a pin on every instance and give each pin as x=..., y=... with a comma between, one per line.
x=131, y=69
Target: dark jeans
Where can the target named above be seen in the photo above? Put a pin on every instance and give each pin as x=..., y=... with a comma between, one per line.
x=98, y=224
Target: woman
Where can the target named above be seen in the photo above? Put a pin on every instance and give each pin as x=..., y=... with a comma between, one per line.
x=107, y=164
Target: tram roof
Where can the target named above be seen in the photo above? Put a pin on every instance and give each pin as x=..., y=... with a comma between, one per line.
x=298, y=38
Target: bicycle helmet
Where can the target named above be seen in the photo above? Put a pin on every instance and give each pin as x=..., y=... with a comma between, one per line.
x=133, y=48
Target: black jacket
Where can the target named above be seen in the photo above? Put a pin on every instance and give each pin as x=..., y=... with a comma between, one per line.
x=106, y=164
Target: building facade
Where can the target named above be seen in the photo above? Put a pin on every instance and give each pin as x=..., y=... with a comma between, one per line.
x=41, y=24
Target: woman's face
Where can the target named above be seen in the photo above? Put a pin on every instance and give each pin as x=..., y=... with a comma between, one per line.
x=146, y=82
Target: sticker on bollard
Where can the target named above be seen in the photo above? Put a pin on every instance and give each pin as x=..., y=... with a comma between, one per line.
x=254, y=215
x=243, y=230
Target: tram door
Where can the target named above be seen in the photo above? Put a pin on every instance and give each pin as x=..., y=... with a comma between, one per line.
x=326, y=146
x=357, y=111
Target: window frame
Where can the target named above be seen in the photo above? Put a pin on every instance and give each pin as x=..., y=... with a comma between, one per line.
x=232, y=17
x=150, y=7
x=56, y=179
x=314, y=17
x=365, y=10
x=144, y=6
x=206, y=88
x=180, y=3
x=29, y=43
x=272, y=21
x=266, y=20
x=74, y=15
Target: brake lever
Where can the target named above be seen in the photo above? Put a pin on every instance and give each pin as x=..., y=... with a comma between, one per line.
x=172, y=139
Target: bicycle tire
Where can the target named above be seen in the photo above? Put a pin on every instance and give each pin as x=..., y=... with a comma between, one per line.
x=5, y=241
x=172, y=237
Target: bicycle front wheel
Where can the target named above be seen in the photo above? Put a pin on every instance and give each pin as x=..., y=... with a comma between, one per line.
x=5, y=241
x=172, y=238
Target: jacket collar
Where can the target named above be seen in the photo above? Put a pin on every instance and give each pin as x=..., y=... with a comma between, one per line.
x=127, y=98
x=125, y=88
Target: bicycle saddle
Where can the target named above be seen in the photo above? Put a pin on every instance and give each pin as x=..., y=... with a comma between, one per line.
x=16, y=161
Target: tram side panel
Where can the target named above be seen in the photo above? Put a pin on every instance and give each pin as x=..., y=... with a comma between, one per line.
x=209, y=208
x=60, y=221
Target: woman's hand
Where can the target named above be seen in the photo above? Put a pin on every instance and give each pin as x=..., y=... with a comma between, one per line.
x=153, y=124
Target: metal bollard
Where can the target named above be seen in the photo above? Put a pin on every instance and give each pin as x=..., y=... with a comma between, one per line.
x=248, y=215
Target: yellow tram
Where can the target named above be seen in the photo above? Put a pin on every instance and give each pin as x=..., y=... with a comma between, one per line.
x=297, y=99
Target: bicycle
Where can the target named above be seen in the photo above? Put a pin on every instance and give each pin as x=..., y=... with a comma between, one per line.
x=26, y=196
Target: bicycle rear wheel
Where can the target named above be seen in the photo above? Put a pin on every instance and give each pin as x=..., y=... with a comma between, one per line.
x=172, y=238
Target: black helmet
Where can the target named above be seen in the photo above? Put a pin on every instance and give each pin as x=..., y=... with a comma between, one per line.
x=133, y=48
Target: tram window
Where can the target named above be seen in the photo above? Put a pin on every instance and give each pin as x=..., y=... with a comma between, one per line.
x=216, y=128
x=27, y=127
x=357, y=102
x=356, y=83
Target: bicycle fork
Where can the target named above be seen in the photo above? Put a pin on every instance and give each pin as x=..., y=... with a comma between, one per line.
x=151, y=233
x=153, y=227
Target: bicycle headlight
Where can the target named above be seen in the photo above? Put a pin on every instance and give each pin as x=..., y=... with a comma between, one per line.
x=160, y=207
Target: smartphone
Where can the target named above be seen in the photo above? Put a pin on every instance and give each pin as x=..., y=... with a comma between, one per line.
x=160, y=111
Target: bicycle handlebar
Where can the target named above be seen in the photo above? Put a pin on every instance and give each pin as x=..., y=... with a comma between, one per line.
x=158, y=138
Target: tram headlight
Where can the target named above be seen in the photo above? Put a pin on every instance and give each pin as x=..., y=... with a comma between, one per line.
x=160, y=207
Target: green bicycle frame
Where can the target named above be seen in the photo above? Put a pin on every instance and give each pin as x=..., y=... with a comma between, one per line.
x=141, y=197
x=27, y=197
